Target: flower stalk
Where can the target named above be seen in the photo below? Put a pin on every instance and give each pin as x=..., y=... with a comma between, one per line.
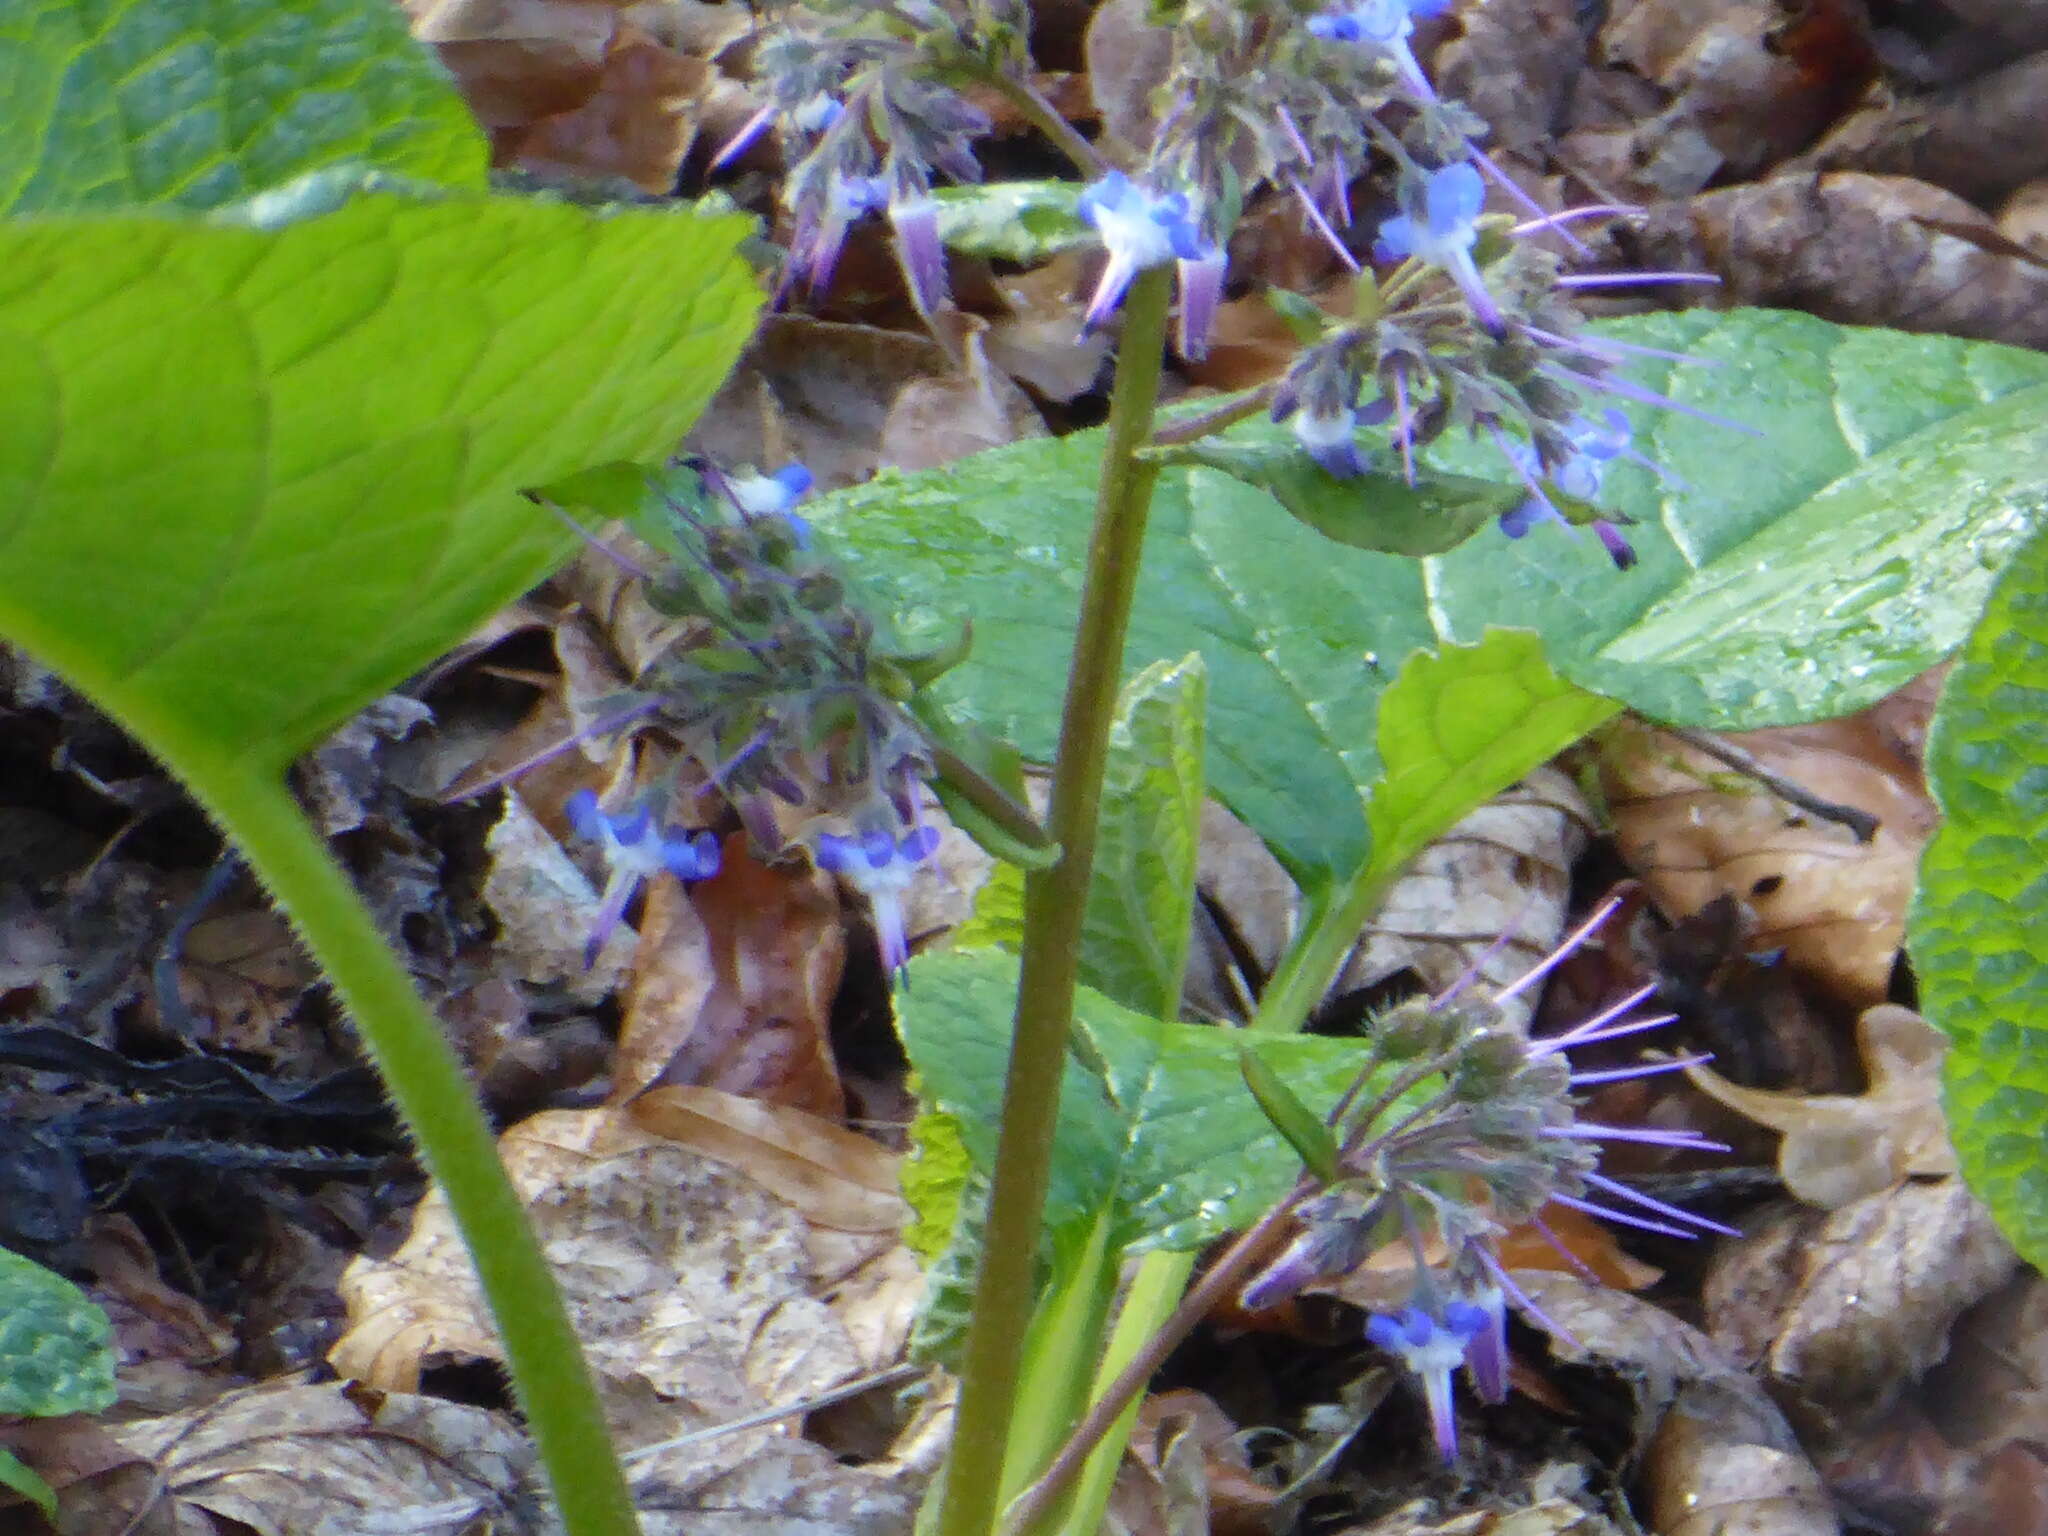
x=1055, y=900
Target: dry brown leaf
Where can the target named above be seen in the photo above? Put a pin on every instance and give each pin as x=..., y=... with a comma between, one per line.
x=1993, y=1388
x=1838, y=1148
x=733, y=986
x=1721, y=1460
x=700, y=1295
x=241, y=975
x=546, y=909
x=1694, y=832
x=1979, y=139
x=1853, y=248
x=1514, y=65
x=1844, y=1311
x=100, y=1484
x=172, y=1351
x=1035, y=343
x=638, y=123
x=1186, y=1473
x=933, y=421
x=821, y=393
x=517, y=61
x=1503, y=869
x=283, y=1459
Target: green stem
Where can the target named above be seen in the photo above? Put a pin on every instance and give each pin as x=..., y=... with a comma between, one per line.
x=1046, y=118
x=1058, y=1355
x=1054, y=902
x=427, y=1083
x=1331, y=923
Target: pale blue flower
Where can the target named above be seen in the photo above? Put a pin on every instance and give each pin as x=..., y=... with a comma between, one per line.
x=1440, y=227
x=879, y=865
x=1140, y=229
x=635, y=849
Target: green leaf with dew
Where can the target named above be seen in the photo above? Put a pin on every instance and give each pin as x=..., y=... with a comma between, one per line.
x=1979, y=924
x=1021, y=221
x=1795, y=574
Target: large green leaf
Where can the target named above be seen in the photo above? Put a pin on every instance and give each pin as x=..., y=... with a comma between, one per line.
x=1155, y=1120
x=199, y=102
x=249, y=479
x=1979, y=926
x=1801, y=572
x=1141, y=897
x=54, y=1351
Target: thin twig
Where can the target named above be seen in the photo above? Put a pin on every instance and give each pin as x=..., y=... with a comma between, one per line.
x=1862, y=823
x=838, y=1394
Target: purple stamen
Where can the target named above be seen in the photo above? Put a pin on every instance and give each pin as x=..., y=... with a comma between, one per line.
x=1630, y=391
x=1646, y=1069
x=1529, y=205
x=1321, y=225
x=1615, y=1187
x=1556, y=221
x=1572, y=941
x=1632, y=279
x=1578, y=1032
x=1622, y=1217
x=1614, y=351
x=1687, y=1141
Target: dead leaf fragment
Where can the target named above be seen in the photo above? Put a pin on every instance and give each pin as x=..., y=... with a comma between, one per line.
x=284, y=1459
x=1838, y=1148
x=1853, y=248
x=734, y=984
x=1845, y=1311
x=1694, y=832
x=699, y=1293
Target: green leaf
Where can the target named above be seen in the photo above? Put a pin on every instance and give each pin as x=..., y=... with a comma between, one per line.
x=55, y=1354
x=1155, y=1119
x=113, y=103
x=25, y=1482
x=1459, y=723
x=250, y=479
x=1141, y=897
x=1979, y=923
x=1797, y=574
x=1378, y=510
x=1021, y=221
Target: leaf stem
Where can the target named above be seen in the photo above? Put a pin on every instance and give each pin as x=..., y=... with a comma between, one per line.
x=427, y=1083
x=1045, y=117
x=1227, y=413
x=1054, y=903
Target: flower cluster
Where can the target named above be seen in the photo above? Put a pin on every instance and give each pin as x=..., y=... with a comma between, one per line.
x=864, y=128
x=1474, y=327
x=779, y=701
x=1472, y=1130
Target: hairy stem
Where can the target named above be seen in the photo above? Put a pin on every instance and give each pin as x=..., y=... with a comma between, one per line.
x=1054, y=903
x=1046, y=118
x=432, y=1092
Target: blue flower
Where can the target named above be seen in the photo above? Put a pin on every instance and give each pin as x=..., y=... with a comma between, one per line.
x=1581, y=475
x=1139, y=229
x=1330, y=438
x=1432, y=1345
x=879, y=865
x=635, y=849
x=1386, y=25
x=763, y=495
x=1201, y=290
x=1440, y=227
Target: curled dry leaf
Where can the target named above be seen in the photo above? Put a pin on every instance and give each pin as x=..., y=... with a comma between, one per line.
x=1838, y=1148
x=1852, y=248
x=637, y=124
x=289, y=1460
x=1036, y=343
x=1845, y=1311
x=1187, y=1472
x=1979, y=139
x=1503, y=870
x=700, y=1292
x=933, y=421
x=1993, y=1388
x=546, y=908
x=171, y=1350
x=1694, y=832
x=733, y=986
x=821, y=393
x=1720, y=1460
